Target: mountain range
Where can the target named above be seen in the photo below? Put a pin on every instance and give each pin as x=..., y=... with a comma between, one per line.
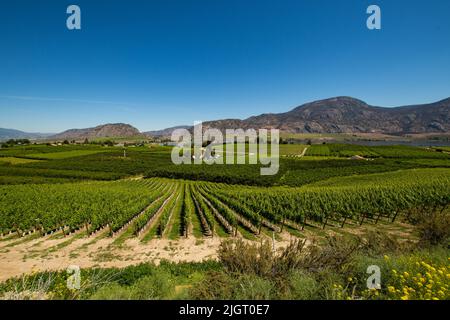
x=334, y=115
x=6, y=134
x=349, y=115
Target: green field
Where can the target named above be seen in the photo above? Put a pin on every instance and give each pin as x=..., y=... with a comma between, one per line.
x=292, y=149
x=397, y=152
x=63, y=154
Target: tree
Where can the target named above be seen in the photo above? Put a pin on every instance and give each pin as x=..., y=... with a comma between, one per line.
x=108, y=143
x=13, y=142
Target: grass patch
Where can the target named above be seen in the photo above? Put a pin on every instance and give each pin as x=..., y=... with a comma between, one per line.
x=63, y=154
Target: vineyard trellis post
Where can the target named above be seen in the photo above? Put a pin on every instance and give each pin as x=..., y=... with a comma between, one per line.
x=395, y=216
x=304, y=222
x=378, y=218
x=362, y=219
x=325, y=223
x=343, y=222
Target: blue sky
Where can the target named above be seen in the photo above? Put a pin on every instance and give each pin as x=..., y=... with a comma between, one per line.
x=160, y=63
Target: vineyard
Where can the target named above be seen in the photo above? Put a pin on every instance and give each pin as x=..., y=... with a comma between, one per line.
x=346, y=150
x=77, y=163
x=93, y=205
x=159, y=207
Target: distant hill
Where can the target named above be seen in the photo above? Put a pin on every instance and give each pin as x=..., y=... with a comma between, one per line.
x=165, y=132
x=6, y=134
x=102, y=131
x=334, y=115
x=349, y=115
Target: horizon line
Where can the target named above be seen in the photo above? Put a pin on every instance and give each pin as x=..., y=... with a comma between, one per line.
x=167, y=127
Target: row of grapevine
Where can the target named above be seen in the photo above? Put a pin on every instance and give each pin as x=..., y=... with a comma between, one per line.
x=230, y=215
x=188, y=211
x=349, y=202
x=152, y=226
x=173, y=208
x=204, y=213
x=225, y=217
x=147, y=215
x=267, y=219
x=248, y=218
x=50, y=207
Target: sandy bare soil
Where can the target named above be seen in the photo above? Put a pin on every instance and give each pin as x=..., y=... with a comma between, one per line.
x=20, y=256
x=55, y=252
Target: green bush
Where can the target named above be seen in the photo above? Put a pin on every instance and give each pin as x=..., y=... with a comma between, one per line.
x=216, y=285
x=156, y=286
x=113, y=291
x=252, y=287
x=302, y=286
x=434, y=228
x=241, y=257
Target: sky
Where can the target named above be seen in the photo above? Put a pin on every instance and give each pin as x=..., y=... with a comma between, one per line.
x=160, y=63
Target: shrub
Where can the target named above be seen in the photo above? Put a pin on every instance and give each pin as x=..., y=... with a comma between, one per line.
x=156, y=286
x=431, y=282
x=375, y=243
x=238, y=256
x=252, y=287
x=336, y=254
x=113, y=291
x=400, y=272
x=434, y=228
x=302, y=286
x=215, y=285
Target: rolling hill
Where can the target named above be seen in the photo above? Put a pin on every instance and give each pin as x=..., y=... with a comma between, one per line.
x=102, y=131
